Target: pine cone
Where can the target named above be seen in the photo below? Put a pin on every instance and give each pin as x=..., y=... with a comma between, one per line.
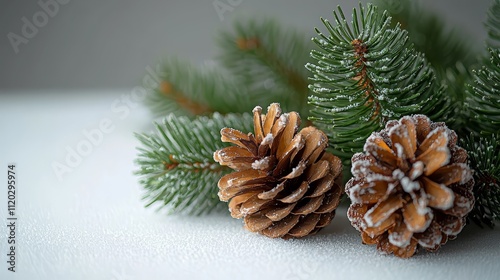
x=411, y=187
x=285, y=184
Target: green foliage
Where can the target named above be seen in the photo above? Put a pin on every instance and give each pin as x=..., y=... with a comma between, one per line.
x=366, y=75
x=484, y=158
x=187, y=90
x=493, y=25
x=484, y=97
x=363, y=74
x=176, y=163
x=446, y=49
x=483, y=101
x=268, y=58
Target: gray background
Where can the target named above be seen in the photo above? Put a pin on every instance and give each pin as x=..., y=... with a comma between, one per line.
x=100, y=44
x=92, y=224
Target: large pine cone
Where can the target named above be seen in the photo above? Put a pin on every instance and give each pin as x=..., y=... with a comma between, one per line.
x=411, y=187
x=285, y=184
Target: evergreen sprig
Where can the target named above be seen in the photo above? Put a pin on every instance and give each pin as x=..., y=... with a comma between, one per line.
x=484, y=93
x=188, y=90
x=484, y=158
x=484, y=97
x=446, y=49
x=176, y=162
x=265, y=57
x=365, y=75
x=493, y=25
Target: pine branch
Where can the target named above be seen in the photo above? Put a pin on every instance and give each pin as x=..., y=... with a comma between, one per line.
x=484, y=96
x=187, y=90
x=267, y=58
x=176, y=163
x=493, y=25
x=484, y=158
x=446, y=49
x=365, y=75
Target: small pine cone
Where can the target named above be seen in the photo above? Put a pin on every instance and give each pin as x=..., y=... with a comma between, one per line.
x=285, y=184
x=411, y=187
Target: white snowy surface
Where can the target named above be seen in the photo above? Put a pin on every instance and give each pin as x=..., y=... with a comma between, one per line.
x=92, y=224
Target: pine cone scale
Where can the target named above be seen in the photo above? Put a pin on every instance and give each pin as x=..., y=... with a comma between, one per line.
x=310, y=205
x=403, y=252
x=378, y=148
x=330, y=202
x=272, y=115
x=318, y=171
x=257, y=123
x=451, y=225
x=462, y=205
x=450, y=174
x=366, y=239
x=399, y=234
x=411, y=134
x=257, y=222
x=430, y=238
x=288, y=133
x=324, y=220
x=282, y=227
x=277, y=214
x=272, y=193
x=403, y=144
x=297, y=171
x=383, y=210
x=309, y=223
x=315, y=143
x=321, y=186
x=296, y=195
x=381, y=227
x=369, y=193
x=436, y=139
x=235, y=204
x=234, y=136
x=439, y=196
x=253, y=205
x=434, y=159
x=415, y=219
x=232, y=154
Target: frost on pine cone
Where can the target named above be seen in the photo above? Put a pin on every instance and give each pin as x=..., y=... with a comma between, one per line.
x=411, y=187
x=285, y=184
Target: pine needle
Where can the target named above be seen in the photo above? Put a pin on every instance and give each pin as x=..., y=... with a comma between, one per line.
x=176, y=165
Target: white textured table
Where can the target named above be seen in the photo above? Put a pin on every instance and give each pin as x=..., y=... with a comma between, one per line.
x=92, y=224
